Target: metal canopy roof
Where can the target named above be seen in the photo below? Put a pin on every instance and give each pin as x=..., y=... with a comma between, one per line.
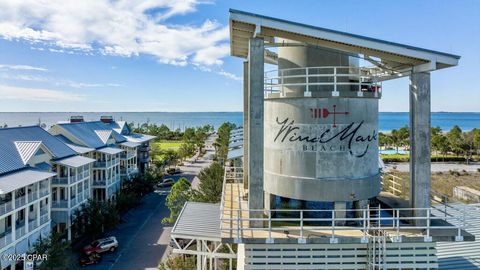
x=235, y=144
x=235, y=153
x=201, y=220
x=130, y=144
x=400, y=57
x=110, y=150
x=75, y=161
x=23, y=178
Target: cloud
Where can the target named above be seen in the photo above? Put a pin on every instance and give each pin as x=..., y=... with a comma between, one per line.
x=22, y=67
x=36, y=94
x=74, y=84
x=122, y=27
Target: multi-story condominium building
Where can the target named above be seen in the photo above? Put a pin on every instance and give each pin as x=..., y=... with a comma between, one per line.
x=96, y=136
x=143, y=149
x=27, y=157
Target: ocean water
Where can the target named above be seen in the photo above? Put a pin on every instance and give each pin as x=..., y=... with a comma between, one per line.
x=174, y=120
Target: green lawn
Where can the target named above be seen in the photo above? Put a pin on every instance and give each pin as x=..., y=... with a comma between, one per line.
x=174, y=145
x=164, y=145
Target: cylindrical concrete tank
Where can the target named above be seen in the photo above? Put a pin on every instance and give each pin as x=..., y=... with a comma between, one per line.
x=321, y=147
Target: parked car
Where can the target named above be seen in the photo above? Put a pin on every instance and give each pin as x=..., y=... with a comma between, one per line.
x=93, y=258
x=102, y=245
x=168, y=182
x=173, y=170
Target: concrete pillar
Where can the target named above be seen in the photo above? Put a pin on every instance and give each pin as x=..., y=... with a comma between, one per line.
x=255, y=128
x=340, y=212
x=420, y=171
x=245, y=124
x=359, y=206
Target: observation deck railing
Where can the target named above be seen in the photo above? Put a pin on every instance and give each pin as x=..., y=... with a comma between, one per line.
x=303, y=224
x=330, y=78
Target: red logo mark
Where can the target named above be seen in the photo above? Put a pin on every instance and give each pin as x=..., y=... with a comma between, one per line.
x=325, y=113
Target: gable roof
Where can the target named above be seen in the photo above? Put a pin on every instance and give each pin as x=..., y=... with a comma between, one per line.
x=27, y=149
x=91, y=134
x=104, y=135
x=12, y=155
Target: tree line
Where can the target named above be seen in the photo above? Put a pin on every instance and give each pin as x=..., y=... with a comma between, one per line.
x=455, y=141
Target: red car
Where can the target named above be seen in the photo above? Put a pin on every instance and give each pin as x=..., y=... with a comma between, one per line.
x=102, y=245
x=93, y=258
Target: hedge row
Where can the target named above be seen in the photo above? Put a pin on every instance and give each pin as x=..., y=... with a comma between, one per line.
x=405, y=158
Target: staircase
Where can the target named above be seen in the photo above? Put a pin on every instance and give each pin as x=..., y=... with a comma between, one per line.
x=376, y=250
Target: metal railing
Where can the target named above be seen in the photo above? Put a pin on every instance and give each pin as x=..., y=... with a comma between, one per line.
x=5, y=207
x=102, y=182
x=60, y=181
x=60, y=204
x=20, y=201
x=32, y=224
x=20, y=231
x=43, y=192
x=296, y=223
x=392, y=183
x=305, y=223
x=32, y=196
x=330, y=78
x=44, y=219
x=5, y=238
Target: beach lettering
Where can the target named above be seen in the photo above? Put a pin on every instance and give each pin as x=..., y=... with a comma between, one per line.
x=345, y=139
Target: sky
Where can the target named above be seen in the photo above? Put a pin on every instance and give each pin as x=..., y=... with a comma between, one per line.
x=173, y=55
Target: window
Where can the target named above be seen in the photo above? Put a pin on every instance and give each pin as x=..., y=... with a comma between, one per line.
x=31, y=208
x=40, y=152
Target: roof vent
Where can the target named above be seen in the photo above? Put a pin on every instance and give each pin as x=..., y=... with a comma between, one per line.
x=76, y=119
x=106, y=119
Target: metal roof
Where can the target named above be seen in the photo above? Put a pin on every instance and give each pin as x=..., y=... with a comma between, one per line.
x=200, y=220
x=399, y=57
x=235, y=153
x=460, y=255
x=130, y=144
x=44, y=166
x=75, y=161
x=235, y=144
x=110, y=150
x=10, y=158
x=91, y=134
x=15, y=180
x=140, y=138
x=75, y=147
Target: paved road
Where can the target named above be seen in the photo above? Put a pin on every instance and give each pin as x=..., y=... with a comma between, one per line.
x=438, y=167
x=143, y=239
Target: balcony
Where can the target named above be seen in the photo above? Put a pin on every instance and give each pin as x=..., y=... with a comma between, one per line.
x=20, y=230
x=327, y=81
x=44, y=219
x=60, y=181
x=100, y=164
x=144, y=148
x=32, y=224
x=20, y=201
x=102, y=182
x=127, y=156
x=5, y=207
x=60, y=204
x=43, y=192
x=5, y=238
x=32, y=196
